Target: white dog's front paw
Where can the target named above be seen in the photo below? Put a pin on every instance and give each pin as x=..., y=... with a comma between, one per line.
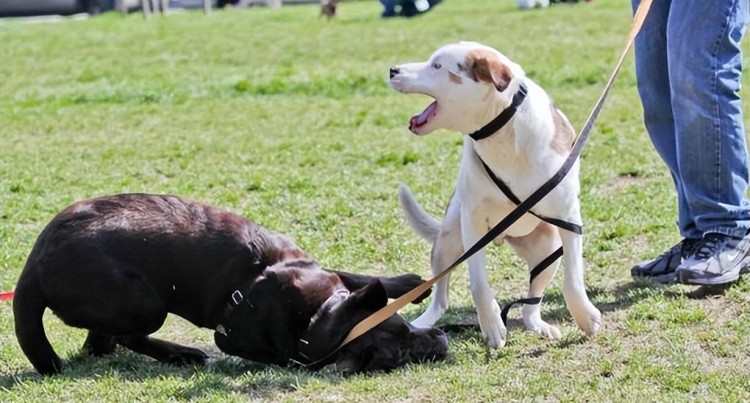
x=495, y=336
x=590, y=322
x=492, y=326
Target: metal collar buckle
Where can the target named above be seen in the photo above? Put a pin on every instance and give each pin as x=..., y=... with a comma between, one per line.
x=237, y=297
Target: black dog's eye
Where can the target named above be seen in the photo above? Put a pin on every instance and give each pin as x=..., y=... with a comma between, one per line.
x=436, y=66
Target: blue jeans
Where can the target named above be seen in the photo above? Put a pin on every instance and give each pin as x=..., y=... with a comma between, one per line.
x=688, y=65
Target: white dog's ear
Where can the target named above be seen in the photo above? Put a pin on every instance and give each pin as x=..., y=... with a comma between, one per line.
x=485, y=66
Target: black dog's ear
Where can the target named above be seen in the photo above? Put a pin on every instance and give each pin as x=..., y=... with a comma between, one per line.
x=397, y=286
x=338, y=316
x=369, y=298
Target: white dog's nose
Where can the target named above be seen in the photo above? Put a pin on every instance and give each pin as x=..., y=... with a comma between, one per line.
x=394, y=71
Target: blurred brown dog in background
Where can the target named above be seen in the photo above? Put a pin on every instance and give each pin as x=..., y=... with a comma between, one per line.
x=328, y=8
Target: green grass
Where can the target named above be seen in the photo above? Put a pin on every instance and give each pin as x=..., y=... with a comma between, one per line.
x=287, y=119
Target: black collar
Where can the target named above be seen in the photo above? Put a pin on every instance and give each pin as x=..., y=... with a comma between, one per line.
x=235, y=299
x=306, y=355
x=504, y=117
x=310, y=356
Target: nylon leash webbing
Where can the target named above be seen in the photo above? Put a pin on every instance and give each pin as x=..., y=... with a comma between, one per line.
x=537, y=270
x=572, y=227
x=391, y=309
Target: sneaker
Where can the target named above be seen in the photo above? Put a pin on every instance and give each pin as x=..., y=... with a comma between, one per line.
x=716, y=259
x=662, y=268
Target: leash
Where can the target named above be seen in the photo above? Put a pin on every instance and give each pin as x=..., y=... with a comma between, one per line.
x=391, y=309
x=572, y=227
x=6, y=295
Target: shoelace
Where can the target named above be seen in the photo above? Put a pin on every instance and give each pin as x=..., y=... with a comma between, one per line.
x=687, y=246
x=709, y=246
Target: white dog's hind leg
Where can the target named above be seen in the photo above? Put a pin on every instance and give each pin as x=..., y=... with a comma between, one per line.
x=585, y=314
x=534, y=248
x=446, y=249
x=437, y=307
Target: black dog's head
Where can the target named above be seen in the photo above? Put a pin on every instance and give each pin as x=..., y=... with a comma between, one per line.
x=295, y=313
x=389, y=345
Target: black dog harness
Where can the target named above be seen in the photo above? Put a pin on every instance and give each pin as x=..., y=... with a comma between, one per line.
x=486, y=131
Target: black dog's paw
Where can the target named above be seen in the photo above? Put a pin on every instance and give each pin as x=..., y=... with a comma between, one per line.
x=407, y=282
x=97, y=345
x=422, y=296
x=187, y=356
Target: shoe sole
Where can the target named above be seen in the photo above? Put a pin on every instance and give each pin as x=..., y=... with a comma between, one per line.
x=719, y=280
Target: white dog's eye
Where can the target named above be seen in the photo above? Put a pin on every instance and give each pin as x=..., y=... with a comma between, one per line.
x=436, y=66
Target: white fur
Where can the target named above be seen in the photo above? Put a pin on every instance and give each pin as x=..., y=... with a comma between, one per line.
x=524, y=4
x=521, y=154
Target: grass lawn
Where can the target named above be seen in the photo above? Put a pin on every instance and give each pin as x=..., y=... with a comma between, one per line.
x=287, y=118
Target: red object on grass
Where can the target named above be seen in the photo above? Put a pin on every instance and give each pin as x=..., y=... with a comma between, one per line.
x=6, y=296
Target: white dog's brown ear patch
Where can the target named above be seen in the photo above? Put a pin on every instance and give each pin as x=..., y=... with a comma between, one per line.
x=484, y=65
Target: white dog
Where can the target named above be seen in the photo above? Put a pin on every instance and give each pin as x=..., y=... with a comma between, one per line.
x=472, y=84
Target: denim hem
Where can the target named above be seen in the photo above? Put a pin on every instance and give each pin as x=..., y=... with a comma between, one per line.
x=733, y=232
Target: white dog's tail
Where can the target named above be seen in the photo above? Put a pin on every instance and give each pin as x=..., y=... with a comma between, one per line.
x=422, y=223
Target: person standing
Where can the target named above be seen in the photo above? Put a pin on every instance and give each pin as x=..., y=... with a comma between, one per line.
x=688, y=66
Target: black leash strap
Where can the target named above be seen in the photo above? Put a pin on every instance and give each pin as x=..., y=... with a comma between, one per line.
x=572, y=227
x=537, y=270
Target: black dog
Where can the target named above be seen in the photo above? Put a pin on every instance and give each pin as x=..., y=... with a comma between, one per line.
x=117, y=265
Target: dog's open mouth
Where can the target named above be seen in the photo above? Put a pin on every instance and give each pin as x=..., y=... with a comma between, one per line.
x=418, y=121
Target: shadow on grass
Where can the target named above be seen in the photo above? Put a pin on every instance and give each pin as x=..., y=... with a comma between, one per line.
x=229, y=375
x=462, y=320
x=222, y=375
x=625, y=295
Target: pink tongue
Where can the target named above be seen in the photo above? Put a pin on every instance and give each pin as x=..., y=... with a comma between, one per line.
x=424, y=117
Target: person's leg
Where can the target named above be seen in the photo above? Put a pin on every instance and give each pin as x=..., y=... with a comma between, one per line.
x=389, y=8
x=654, y=89
x=408, y=9
x=705, y=63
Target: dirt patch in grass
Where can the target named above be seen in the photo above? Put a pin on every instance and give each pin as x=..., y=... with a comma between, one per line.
x=622, y=181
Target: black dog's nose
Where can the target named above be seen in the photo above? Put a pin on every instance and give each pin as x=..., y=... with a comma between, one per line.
x=394, y=71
